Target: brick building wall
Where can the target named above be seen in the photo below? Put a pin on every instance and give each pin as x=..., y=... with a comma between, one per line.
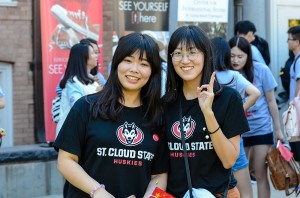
x=108, y=11
x=16, y=48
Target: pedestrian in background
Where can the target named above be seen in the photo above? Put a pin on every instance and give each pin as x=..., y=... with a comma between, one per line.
x=77, y=80
x=294, y=45
x=247, y=30
x=259, y=139
x=249, y=93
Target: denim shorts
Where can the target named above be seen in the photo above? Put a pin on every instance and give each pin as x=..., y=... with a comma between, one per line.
x=242, y=161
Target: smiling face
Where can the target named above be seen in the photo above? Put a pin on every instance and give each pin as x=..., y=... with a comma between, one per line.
x=238, y=58
x=133, y=72
x=190, y=67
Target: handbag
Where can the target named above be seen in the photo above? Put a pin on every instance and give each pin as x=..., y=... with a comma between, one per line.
x=193, y=192
x=284, y=174
x=199, y=192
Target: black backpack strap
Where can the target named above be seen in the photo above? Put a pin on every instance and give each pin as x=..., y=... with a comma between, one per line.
x=186, y=160
x=294, y=66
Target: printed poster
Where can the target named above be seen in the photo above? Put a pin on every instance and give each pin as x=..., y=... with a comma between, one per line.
x=63, y=24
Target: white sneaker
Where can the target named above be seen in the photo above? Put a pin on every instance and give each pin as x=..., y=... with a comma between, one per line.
x=76, y=20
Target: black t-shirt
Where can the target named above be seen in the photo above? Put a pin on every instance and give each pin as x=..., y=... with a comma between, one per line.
x=206, y=168
x=122, y=155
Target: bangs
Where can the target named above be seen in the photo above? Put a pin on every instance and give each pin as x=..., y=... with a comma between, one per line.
x=188, y=37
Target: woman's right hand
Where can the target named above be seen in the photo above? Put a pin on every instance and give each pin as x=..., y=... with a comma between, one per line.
x=102, y=193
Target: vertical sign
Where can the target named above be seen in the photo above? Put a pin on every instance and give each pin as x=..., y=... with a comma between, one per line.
x=63, y=24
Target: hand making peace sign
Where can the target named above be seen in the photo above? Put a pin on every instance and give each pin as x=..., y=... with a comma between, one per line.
x=206, y=94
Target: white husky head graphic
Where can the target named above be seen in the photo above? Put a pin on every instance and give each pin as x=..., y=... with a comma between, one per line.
x=129, y=132
x=187, y=123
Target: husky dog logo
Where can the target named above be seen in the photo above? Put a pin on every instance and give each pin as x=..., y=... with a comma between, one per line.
x=188, y=126
x=130, y=134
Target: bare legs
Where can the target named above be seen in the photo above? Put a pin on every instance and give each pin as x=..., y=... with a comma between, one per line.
x=260, y=167
x=244, y=183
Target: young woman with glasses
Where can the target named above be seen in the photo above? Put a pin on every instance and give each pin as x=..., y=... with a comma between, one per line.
x=213, y=117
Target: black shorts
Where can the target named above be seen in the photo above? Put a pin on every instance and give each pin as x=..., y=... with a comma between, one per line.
x=259, y=140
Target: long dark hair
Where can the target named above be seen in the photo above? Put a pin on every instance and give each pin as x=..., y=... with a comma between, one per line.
x=190, y=36
x=77, y=65
x=107, y=104
x=221, y=51
x=244, y=45
x=90, y=41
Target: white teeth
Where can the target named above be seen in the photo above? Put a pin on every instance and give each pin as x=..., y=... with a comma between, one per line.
x=132, y=78
x=186, y=68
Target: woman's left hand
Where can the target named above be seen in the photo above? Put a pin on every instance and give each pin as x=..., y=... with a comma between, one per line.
x=206, y=94
x=279, y=135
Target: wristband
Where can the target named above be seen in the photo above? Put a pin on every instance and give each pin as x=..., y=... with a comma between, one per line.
x=97, y=188
x=213, y=131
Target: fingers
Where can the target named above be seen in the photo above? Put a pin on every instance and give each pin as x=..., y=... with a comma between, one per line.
x=203, y=88
x=212, y=79
x=209, y=87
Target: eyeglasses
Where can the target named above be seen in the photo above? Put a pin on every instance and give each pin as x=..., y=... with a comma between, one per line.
x=291, y=39
x=191, y=55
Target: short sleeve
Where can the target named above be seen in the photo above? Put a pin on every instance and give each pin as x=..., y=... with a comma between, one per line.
x=161, y=159
x=242, y=83
x=235, y=122
x=71, y=136
x=297, y=68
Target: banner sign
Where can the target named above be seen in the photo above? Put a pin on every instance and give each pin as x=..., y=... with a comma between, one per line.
x=203, y=10
x=144, y=15
x=63, y=24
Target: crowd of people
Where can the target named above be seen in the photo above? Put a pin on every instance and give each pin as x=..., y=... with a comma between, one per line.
x=215, y=120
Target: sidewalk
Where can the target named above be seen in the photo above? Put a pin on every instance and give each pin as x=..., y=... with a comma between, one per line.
x=274, y=193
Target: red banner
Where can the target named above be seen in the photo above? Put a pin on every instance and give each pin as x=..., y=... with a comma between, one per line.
x=63, y=24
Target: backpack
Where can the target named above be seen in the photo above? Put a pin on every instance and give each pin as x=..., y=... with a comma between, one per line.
x=291, y=120
x=285, y=73
x=55, y=110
